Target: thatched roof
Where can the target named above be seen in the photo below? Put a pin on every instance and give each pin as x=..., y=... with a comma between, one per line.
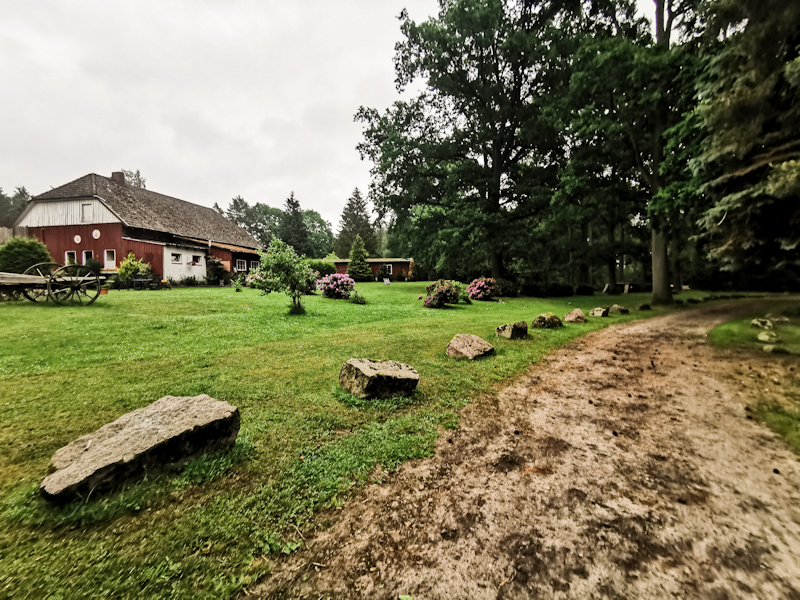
x=143, y=209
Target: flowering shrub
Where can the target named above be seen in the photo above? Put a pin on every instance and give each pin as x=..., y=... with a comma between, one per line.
x=336, y=285
x=483, y=288
x=441, y=292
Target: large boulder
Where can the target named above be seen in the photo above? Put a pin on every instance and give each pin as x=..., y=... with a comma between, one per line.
x=377, y=378
x=761, y=323
x=547, y=321
x=513, y=331
x=616, y=309
x=575, y=316
x=598, y=312
x=468, y=346
x=163, y=434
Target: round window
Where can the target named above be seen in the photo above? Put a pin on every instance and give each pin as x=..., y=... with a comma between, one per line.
x=77, y=239
x=96, y=234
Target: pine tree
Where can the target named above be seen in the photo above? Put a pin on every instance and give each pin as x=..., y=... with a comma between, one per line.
x=293, y=229
x=355, y=222
x=358, y=268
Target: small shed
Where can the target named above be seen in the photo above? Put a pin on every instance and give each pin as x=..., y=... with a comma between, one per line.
x=396, y=266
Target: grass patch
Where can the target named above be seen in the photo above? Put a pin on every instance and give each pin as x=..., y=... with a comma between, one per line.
x=304, y=444
x=783, y=421
x=742, y=335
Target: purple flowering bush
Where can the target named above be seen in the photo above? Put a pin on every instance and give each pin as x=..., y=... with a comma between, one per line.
x=336, y=285
x=483, y=288
x=441, y=292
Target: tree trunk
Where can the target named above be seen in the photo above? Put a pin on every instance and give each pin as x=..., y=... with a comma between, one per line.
x=675, y=265
x=661, y=290
x=497, y=263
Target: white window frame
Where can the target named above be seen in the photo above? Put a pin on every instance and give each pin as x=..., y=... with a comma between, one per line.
x=175, y=258
x=112, y=262
x=390, y=267
x=86, y=212
x=196, y=260
x=74, y=254
x=241, y=264
x=87, y=254
x=254, y=264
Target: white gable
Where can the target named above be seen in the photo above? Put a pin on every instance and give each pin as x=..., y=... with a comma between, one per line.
x=86, y=211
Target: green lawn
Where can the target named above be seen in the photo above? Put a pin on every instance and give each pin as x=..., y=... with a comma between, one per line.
x=303, y=444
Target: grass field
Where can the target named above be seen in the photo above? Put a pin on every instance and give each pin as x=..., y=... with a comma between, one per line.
x=304, y=444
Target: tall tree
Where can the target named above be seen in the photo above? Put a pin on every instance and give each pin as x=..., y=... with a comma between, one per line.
x=11, y=207
x=355, y=221
x=358, y=268
x=293, y=229
x=320, y=236
x=260, y=221
x=484, y=136
x=751, y=112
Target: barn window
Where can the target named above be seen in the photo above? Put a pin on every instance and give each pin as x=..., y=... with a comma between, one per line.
x=111, y=259
x=87, y=255
x=253, y=264
x=196, y=259
x=70, y=257
x=176, y=258
x=389, y=268
x=241, y=264
x=86, y=212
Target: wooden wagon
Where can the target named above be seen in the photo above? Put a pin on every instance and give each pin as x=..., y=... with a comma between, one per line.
x=70, y=284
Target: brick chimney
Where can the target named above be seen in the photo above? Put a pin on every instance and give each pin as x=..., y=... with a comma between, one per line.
x=119, y=177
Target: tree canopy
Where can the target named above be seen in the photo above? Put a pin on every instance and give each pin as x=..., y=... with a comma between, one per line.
x=11, y=207
x=354, y=222
x=292, y=228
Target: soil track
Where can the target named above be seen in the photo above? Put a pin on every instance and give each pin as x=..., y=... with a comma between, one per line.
x=625, y=466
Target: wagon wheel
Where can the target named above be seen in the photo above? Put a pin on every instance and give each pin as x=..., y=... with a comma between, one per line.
x=74, y=284
x=38, y=292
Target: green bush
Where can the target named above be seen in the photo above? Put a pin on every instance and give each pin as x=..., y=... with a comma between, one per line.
x=441, y=292
x=383, y=272
x=94, y=265
x=20, y=253
x=131, y=266
x=358, y=268
x=190, y=281
x=358, y=298
x=216, y=272
x=323, y=267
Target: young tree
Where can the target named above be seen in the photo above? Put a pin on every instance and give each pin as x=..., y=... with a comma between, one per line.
x=293, y=229
x=282, y=270
x=355, y=221
x=320, y=236
x=358, y=268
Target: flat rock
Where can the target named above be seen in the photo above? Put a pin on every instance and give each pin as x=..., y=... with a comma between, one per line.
x=367, y=378
x=761, y=323
x=616, y=309
x=575, y=316
x=598, y=312
x=513, y=331
x=163, y=434
x=769, y=337
x=468, y=346
x=774, y=349
x=547, y=321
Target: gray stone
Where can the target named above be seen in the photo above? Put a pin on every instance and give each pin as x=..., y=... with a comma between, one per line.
x=575, y=316
x=163, y=434
x=468, y=346
x=547, y=321
x=769, y=337
x=513, y=331
x=598, y=312
x=761, y=323
x=774, y=349
x=616, y=309
x=367, y=378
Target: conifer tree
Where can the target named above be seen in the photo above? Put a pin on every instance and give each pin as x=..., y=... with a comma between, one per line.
x=293, y=229
x=355, y=221
x=358, y=268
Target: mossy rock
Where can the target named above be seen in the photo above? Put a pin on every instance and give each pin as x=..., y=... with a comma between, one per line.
x=547, y=321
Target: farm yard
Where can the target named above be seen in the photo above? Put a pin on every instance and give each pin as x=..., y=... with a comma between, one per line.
x=207, y=531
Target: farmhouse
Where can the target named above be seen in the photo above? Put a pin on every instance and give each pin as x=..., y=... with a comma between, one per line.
x=395, y=266
x=105, y=219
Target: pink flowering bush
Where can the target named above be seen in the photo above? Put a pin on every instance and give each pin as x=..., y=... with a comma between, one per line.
x=336, y=285
x=483, y=288
x=441, y=292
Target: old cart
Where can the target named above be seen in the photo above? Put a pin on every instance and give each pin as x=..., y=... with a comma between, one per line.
x=70, y=284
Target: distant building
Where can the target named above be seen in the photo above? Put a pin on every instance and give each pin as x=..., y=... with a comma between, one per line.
x=395, y=266
x=105, y=219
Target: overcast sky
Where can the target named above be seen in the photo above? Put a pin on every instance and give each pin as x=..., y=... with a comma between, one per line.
x=208, y=98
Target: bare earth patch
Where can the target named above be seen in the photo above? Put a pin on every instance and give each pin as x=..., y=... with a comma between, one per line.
x=625, y=466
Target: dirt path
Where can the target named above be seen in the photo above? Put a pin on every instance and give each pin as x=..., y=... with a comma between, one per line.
x=623, y=467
